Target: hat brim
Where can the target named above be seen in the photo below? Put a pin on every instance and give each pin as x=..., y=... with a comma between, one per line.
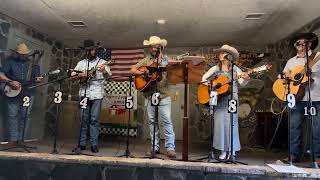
x=22, y=52
x=309, y=36
x=235, y=55
x=162, y=42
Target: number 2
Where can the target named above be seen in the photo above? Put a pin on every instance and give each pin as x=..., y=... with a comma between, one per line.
x=26, y=101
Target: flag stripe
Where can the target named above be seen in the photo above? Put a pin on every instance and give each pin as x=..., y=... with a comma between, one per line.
x=124, y=58
x=127, y=54
x=127, y=58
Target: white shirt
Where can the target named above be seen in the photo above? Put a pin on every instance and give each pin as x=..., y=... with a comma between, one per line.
x=95, y=89
x=315, y=75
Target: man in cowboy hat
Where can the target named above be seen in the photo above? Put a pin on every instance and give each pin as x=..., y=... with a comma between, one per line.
x=156, y=45
x=94, y=91
x=15, y=71
x=303, y=42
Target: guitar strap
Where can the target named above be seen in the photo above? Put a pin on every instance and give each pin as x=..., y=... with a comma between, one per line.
x=314, y=59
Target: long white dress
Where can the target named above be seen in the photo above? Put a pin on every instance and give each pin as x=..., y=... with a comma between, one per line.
x=222, y=119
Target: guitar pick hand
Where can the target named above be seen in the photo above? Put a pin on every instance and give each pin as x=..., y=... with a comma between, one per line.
x=15, y=85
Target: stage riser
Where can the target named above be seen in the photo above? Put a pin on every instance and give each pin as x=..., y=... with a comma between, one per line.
x=11, y=169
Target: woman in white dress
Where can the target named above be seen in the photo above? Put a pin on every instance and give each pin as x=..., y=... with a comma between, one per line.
x=222, y=119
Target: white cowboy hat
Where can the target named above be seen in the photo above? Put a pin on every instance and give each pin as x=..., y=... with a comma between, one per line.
x=231, y=50
x=155, y=40
x=22, y=48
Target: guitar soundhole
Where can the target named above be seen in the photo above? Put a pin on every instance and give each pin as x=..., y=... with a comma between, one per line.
x=218, y=86
x=298, y=77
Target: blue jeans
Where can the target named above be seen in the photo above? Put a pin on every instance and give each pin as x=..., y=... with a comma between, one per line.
x=17, y=117
x=90, y=120
x=297, y=118
x=165, y=117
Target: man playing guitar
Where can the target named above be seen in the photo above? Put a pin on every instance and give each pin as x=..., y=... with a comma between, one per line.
x=15, y=71
x=156, y=45
x=301, y=42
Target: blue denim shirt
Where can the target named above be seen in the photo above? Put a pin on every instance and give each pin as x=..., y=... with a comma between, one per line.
x=16, y=69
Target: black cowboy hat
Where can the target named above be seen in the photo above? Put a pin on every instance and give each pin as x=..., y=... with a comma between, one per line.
x=313, y=38
x=89, y=44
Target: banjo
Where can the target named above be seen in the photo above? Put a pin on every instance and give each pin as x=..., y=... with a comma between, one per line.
x=10, y=92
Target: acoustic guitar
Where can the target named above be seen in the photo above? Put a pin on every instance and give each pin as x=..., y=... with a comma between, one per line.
x=150, y=75
x=298, y=78
x=221, y=84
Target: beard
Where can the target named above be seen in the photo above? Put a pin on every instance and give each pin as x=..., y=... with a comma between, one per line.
x=155, y=54
x=91, y=57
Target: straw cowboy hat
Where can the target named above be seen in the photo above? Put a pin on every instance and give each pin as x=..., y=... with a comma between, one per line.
x=231, y=50
x=313, y=38
x=155, y=40
x=22, y=48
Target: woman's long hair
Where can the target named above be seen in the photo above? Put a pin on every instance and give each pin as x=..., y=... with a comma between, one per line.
x=220, y=64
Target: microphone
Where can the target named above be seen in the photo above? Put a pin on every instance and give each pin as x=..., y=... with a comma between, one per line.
x=73, y=49
x=228, y=57
x=35, y=52
x=57, y=71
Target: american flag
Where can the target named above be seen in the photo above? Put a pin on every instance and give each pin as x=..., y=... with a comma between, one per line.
x=123, y=59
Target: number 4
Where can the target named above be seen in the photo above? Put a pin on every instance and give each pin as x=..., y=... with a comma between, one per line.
x=84, y=103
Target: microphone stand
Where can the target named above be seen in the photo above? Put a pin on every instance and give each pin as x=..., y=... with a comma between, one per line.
x=314, y=163
x=210, y=157
x=127, y=152
x=231, y=159
x=59, y=81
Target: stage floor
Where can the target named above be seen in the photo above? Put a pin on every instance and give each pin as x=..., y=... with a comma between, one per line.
x=114, y=146
x=111, y=147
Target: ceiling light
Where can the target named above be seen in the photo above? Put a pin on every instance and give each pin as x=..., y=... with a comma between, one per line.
x=77, y=23
x=254, y=15
x=161, y=21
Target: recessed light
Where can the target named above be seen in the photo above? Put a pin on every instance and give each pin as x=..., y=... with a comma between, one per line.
x=254, y=15
x=161, y=21
x=77, y=23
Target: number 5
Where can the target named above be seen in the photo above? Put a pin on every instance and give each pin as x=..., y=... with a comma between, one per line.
x=129, y=102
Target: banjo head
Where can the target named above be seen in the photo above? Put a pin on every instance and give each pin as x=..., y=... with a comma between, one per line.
x=9, y=92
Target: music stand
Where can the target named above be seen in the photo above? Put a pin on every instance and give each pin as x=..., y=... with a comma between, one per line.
x=187, y=71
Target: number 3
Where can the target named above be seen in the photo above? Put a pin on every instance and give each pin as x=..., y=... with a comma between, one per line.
x=58, y=97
